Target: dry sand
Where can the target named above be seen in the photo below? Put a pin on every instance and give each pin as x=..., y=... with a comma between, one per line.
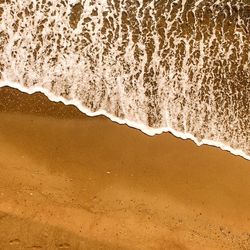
x=68, y=181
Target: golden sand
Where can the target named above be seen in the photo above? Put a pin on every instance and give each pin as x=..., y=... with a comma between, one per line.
x=68, y=181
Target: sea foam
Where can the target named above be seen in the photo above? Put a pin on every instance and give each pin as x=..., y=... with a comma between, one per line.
x=159, y=66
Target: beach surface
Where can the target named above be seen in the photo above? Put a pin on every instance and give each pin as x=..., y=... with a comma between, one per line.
x=69, y=181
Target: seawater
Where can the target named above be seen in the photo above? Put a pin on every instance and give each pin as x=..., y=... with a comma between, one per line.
x=181, y=66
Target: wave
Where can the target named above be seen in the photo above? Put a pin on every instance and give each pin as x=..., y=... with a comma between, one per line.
x=158, y=66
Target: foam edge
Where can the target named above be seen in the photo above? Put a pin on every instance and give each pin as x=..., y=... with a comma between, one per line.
x=145, y=129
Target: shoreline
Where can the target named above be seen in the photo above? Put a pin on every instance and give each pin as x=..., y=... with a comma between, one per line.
x=145, y=129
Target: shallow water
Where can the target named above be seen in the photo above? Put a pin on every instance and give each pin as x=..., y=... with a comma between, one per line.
x=179, y=66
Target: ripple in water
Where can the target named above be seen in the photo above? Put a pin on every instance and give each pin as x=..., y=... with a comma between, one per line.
x=158, y=65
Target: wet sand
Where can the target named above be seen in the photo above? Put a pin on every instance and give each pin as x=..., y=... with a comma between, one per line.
x=69, y=181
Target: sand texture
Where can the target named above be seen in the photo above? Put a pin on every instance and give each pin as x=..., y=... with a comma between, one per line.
x=68, y=181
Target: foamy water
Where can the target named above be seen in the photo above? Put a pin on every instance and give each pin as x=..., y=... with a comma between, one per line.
x=178, y=66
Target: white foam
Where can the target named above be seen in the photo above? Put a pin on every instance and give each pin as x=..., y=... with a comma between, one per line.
x=145, y=129
x=156, y=67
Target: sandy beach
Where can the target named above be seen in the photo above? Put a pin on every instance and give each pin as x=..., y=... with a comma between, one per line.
x=69, y=181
